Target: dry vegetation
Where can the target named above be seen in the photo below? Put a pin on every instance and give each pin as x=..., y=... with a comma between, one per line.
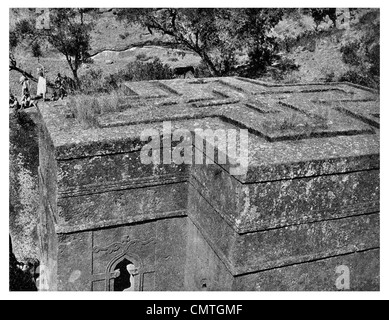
x=86, y=109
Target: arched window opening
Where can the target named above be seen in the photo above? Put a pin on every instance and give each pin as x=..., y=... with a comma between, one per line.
x=125, y=273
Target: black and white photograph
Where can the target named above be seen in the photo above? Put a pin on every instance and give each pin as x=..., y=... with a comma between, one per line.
x=194, y=149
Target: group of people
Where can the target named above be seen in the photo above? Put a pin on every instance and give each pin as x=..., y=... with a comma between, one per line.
x=26, y=101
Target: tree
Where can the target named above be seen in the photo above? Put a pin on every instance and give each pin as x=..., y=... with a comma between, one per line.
x=16, y=35
x=36, y=50
x=361, y=49
x=68, y=31
x=219, y=36
x=254, y=29
x=70, y=34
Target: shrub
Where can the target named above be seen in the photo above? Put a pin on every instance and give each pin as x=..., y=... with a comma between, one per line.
x=90, y=82
x=202, y=71
x=281, y=69
x=94, y=82
x=361, y=51
x=359, y=78
x=350, y=53
x=141, y=57
x=139, y=71
x=85, y=109
x=285, y=65
x=306, y=40
x=328, y=75
x=36, y=50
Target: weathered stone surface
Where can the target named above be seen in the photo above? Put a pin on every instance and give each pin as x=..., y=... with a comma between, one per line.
x=276, y=247
x=112, y=171
x=74, y=261
x=204, y=270
x=23, y=180
x=274, y=204
x=122, y=206
x=170, y=256
x=48, y=242
x=86, y=260
x=308, y=201
x=364, y=268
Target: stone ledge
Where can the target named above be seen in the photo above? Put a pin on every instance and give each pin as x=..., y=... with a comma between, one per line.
x=121, y=222
x=319, y=275
x=270, y=205
x=258, y=251
x=71, y=140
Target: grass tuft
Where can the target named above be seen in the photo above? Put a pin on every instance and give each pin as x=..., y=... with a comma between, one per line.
x=87, y=109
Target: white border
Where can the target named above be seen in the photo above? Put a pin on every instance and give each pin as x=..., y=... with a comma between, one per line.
x=4, y=136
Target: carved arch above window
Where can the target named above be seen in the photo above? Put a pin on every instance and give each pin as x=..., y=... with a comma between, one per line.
x=126, y=270
x=124, y=273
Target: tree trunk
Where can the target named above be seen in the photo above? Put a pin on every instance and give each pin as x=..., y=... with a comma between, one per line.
x=209, y=63
x=75, y=77
x=74, y=69
x=23, y=72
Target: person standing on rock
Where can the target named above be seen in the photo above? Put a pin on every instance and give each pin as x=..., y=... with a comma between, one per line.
x=25, y=85
x=59, y=83
x=25, y=100
x=41, y=88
